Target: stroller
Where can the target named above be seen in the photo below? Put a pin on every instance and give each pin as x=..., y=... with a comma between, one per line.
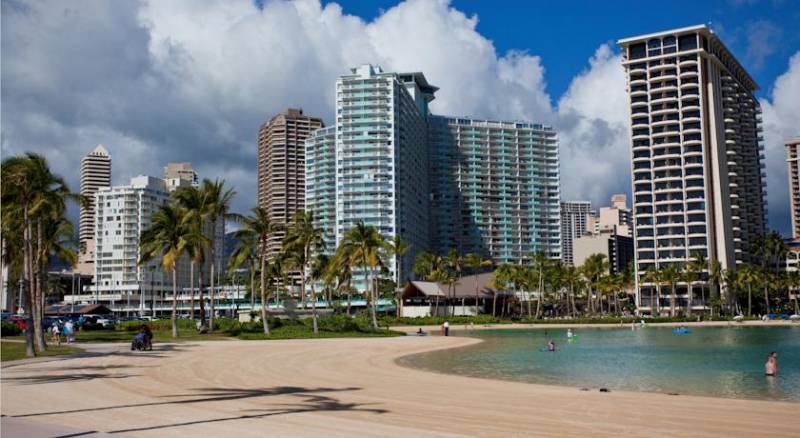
x=141, y=342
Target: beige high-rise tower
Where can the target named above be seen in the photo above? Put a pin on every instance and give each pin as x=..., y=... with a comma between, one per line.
x=697, y=158
x=95, y=174
x=281, y=166
x=793, y=159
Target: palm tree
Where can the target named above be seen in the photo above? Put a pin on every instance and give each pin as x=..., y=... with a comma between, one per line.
x=572, y=276
x=245, y=253
x=593, y=268
x=303, y=240
x=540, y=265
x=193, y=201
x=365, y=243
x=319, y=264
x=454, y=262
x=342, y=265
x=653, y=276
x=715, y=278
x=427, y=265
x=217, y=206
x=475, y=262
x=256, y=231
x=671, y=275
x=32, y=194
x=502, y=277
x=694, y=271
x=397, y=248
x=166, y=238
x=748, y=275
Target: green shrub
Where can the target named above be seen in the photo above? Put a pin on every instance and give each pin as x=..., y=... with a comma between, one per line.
x=8, y=328
x=157, y=325
x=340, y=323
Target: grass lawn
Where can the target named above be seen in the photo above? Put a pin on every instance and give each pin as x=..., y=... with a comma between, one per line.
x=16, y=351
x=98, y=336
x=303, y=332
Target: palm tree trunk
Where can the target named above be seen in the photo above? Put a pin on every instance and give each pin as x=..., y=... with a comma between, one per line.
x=313, y=306
x=37, y=291
x=372, y=298
x=749, y=300
x=191, y=289
x=691, y=298
x=476, y=295
x=27, y=274
x=202, y=299
x=349, y=296
x=494, y=304
x=252, y=290
x=211, y=294
x=264, y=320
x=766, y=296
x=174, y=303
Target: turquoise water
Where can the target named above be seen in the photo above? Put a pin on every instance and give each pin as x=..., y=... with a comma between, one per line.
x=713, y=361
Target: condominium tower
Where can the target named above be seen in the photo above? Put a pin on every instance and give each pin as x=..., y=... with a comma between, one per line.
x=575, y=219
x=320, y=196
x=617, y=218
x=439, y=183
x=494, y=188
x=281, y=167
x=123, y=214
x=382, y=157
x=793, y=160
x=698, y=185
x=95, y=174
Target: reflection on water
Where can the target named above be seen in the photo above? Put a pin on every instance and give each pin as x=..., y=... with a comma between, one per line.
x=716, y=361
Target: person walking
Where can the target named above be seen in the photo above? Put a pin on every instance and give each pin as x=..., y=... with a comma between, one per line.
x=446, y=328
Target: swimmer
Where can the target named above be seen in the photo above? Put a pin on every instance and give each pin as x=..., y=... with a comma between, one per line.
x=551, y=346
x=569, y=333
x=771, y=367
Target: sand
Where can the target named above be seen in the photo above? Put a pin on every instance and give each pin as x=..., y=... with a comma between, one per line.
x=343, y=387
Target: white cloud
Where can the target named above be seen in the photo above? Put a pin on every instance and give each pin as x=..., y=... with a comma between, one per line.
x=593, y=124
x=781, y=121
x=163, y=81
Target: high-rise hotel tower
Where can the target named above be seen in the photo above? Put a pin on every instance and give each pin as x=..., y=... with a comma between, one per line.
x=281, y=168
x=95, y=174
x=698, y=184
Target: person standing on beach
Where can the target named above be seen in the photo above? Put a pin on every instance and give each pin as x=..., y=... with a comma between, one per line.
x=446, y=328
x=771, y=367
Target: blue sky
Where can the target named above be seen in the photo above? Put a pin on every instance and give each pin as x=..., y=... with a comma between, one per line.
x=566, y=34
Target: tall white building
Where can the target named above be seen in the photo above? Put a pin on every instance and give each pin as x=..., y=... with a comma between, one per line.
x=382, y=156
x=95, y=174
x=123, y=213
x=698, y=183
x=575, y=219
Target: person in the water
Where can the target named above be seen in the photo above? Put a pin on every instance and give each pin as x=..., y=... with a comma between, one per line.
x=771, y=367
x=551, y=346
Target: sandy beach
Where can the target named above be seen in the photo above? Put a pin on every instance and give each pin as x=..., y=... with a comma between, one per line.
x=341, y=387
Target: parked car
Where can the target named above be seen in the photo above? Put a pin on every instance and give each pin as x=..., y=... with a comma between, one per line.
x=106, y=321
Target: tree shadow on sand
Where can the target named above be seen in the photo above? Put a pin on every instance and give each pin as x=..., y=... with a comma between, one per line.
x=209, y=395
x=61, y=378
x=310, y=403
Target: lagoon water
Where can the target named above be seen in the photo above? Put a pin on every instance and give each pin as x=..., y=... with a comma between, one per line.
x=712, y=361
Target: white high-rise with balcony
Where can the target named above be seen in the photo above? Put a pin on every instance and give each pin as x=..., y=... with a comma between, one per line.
x=698, y=184
x=382, y=156
x=575, y=219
